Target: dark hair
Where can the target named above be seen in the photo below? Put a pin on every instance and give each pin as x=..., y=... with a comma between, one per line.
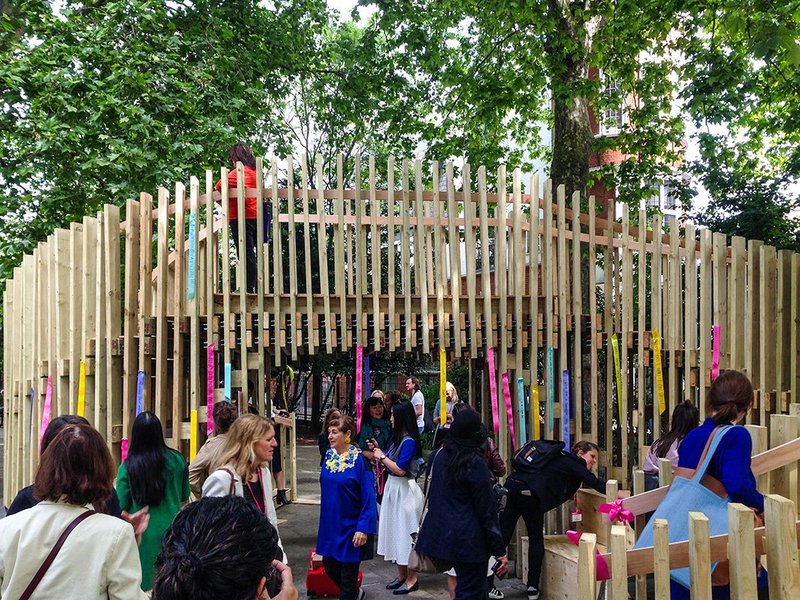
x=685, y=417
x=392, y=398
x=584, y=446
x=56, y=425
x=225, y=414
x=215, y=549
x=241, y=152
x=465, y=444
x=76, y=466
x=329, y=416
x=458, y=407
x=147, y=460
x=344, y=424
x=366, y=417
x=730, y=394
x=405, y=425
x=460, y=459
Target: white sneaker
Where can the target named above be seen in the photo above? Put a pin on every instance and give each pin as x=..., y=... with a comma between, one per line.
x=496, y=594
x=533, y=593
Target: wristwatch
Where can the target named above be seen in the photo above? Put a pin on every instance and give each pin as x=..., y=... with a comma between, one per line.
x=382, y=458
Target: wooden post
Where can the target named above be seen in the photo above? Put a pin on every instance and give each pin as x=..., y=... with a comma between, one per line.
x=664, y=472
x=758, y=436
x=784, y=571
x=741, y=551
x=699, y=556
x=783, y=481
x=661, y=557
x=587, y=567
x=619, y=565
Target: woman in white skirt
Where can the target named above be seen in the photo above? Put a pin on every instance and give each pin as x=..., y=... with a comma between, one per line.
x=402, y=499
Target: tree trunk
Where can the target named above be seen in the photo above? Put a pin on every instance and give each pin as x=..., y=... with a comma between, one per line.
x=572, y=143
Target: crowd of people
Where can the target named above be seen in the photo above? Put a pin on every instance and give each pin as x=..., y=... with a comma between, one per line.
x=88, y=529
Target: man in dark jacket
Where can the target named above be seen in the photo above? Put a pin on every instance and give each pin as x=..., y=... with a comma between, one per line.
x=461, y=527
x=531, y=495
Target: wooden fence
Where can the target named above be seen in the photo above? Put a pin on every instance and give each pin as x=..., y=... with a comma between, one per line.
x=588, y=316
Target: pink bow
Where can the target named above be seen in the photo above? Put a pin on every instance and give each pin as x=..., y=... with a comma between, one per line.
x=601, y=568
x=616, y=512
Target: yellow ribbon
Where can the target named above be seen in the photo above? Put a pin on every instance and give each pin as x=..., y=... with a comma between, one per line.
x=618, y=370
x=442, y=386
x=82, y=390
x=659, y=373
x=193, y=437
x=536, y=424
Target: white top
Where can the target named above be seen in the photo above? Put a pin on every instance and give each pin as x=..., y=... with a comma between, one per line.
x=419, y=400
x=651, y=460
x=99, y=559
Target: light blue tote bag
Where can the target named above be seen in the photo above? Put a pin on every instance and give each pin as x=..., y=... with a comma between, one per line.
x=689, y=495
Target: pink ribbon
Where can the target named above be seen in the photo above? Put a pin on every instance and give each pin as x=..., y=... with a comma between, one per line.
x=493, y=391
x=616, y=512
x=210, y=391
x=601, y=567
x=359, y=382
x=123, y=449
x=509, y=410
x=48, y=407
x=715, y=352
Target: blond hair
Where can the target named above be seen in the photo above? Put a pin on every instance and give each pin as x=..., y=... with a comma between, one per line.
x=449, y=386
x=238, y=449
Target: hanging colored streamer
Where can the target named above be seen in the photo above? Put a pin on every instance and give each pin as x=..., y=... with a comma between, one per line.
x=359, y=380
x=48, y=405
x=493, y=391
x=228, y=395
x=565, y=401
x=536, y=414
x=210, y=390
x=193, y=436
x=715, y=352
x=367, y=383
x=618, y=371
x=551, y=388
x=442, y=386
x=523, y=436
x=662, y=406
x=192, y=256
x=509, y=410
x=123, y=449
x=139, y=393
x=82, y=390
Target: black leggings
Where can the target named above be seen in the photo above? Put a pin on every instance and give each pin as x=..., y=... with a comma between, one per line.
x=522, y=502
x=343, y=574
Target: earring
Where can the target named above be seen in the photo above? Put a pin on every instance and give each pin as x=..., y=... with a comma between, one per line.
x=347, y=440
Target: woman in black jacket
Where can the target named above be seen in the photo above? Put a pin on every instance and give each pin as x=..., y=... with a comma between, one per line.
x=461, y=526
x=531, y=495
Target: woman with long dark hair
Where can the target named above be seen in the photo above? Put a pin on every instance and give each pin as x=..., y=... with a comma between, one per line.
x=685, y=417
x=461, y=526
x=402, y=498
x=155, y=476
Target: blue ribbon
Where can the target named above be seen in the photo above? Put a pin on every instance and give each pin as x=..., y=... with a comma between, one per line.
x=367, y=386
x=565, y=400
x=139, y=393
x=523, y=437
x=192, y=255
x=228, y=382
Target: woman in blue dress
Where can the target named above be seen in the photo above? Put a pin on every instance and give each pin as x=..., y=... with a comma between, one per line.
x=348, y=510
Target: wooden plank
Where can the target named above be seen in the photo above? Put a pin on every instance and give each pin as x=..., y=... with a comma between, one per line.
x=341, y=253
x=375, y=255
x=292, y=242
x=690, y=316
x=486, y=283
x=195, y=383
x=420, y=266
x=720, y=304
x=626, y=298
x=390, y=242
x=455, y=256
x=131, y=332
x=699, y=556
x=784, y=326
x=61, y=307
x=595, y=347
x=179, y=306
x=113, y=302
x=262, y=283
x=145, y=298
x=307, y=258
x=794, y=342
x=162, y=399
x=661, y=562
x=519, y=293
x=501, y=283
x=406, y=258
x=547, y=283
x=781, y=544
x=675, y=330
x=470, y=245
x=752, y=324
x=736, y=303
x=768, y=330
x=439, y=252
x=577, y=312
x=656, y=315
x=783, y=481
x=587, y=575
x=322, y=252
x=534, y=254
x=27, y=371
x=619, y=581
x=76, y=302
x=741, y=551
x=277, y=268
x=608, y=325
x=664, y=472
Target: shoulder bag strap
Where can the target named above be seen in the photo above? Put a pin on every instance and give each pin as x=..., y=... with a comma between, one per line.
x=233, y=480
x=37, y=578
x=428, y=481
x=711, y=447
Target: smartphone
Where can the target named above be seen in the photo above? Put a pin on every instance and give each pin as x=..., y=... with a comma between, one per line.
x=496, y=566
x=273, y=582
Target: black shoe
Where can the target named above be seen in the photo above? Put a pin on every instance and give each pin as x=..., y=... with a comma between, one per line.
x=395, y=583
x=404, y=589
x=281, y=498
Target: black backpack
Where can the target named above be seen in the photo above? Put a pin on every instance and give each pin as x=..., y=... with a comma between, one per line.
x=535, y=455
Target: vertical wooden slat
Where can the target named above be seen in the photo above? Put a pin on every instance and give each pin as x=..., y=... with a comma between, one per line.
x=471, y=259
x=131, y=332
x=595, y=346
x=768, y=329
x=375, y=274
x=782, y=315
x=162, y=400
x=341, y=253
x=752, y=324
x=76, y=302
x=608, y=326
x=736, y=303
x=406, y=258
x=61, y=307
x=587, y=574
x=781, y=534
x=179, y=293
x=706, y=290
x=307, y=258
x=720, y=305
x=102, y=372
x=486, y=283
x=322, y=252
x=420, y=265
x=619, y=563
x=390, y=242
x=741, y=551
x=626, y=282
x=194, y=303
x=533, y=278
x=262, y=283
x=519, y=292
x=439, y=245
x=656, y=321
x=661, y=558
x=561, y=282
x=577, y=313
x=758, y=437
x=641, y=327
x=794, y=349
x=501, y=281
x=277, y=266
x=547, y=282
x=145, y=299
x=675, y=321
x=699, y=556
x=113, y=301
x=783, y=481
x=690, y=315
x=360, y=260
x=292, y=241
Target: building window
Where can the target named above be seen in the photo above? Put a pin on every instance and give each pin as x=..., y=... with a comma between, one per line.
x=614, y=117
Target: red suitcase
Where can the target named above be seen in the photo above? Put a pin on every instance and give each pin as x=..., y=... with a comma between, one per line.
x=318, y=584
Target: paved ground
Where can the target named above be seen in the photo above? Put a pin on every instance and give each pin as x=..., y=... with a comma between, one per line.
x=298, y=525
